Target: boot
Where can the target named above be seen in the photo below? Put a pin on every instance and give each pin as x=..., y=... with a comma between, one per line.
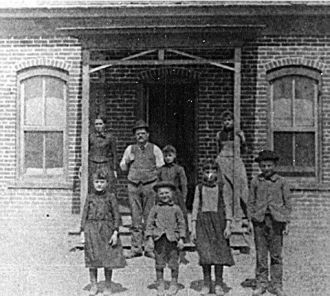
x=108, y=276
x=93, y=278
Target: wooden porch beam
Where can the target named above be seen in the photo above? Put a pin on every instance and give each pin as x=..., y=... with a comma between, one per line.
x=147, y=63
x=124, y=59
x=84, y=128
x=206, y=61
x=237, y=124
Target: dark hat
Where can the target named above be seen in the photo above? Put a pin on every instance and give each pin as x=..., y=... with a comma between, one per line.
x=226, y=113
x=166, y=184
x=267, y=155
x=140, y=124
x=100, y=174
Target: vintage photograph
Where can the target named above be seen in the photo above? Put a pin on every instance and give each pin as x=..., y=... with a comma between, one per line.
x=161, y=148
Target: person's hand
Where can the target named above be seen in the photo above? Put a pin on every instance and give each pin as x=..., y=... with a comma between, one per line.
x=114, y=239
x=180, y=244
x=241, y=135
x=82, y=237
x=286, y=229
x=227, y=232
x=150, y=244
x=250, y=226
x=115, y=174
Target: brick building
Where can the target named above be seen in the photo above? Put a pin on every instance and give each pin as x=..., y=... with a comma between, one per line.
x=178, y=65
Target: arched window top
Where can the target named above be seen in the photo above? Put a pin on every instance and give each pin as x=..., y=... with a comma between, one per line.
x=43, y=71
x=294, y=71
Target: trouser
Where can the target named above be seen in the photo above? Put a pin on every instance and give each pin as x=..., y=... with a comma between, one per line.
x=142, y=199
x=218, y=271
x=268, y=236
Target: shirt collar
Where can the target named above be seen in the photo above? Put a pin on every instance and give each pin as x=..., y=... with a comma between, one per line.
x=272, y=178
x=169, y=203
x=101, y=134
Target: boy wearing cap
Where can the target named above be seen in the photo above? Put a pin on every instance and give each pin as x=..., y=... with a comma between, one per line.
x=141, y=160
x=269, y=209
x=165, y=233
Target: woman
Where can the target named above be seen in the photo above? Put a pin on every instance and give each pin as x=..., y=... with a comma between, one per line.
x=102, y=154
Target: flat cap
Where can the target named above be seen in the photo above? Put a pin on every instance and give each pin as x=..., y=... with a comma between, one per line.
x=267, y=155
x=162, y=184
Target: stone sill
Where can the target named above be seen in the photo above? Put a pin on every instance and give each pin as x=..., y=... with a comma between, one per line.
x=41, y=185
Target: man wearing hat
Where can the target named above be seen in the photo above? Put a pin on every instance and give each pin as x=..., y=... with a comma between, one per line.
x=165, y=232
x=269, y=210
x=141, y=160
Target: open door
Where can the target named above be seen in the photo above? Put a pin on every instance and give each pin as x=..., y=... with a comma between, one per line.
x=169, y=108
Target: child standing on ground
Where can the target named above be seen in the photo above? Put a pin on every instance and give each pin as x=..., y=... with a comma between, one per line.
x=99, y=228
x=175, y=173
x=165, y=233
x=211, y=220
x=269, y=209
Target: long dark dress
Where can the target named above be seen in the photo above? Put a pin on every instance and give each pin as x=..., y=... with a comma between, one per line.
x=99, y=220
x=211, y=245
x=102, y=155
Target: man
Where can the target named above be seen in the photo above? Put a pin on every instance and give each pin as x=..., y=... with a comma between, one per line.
x=141, y=160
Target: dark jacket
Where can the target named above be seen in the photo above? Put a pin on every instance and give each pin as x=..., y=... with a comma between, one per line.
x=269, y=196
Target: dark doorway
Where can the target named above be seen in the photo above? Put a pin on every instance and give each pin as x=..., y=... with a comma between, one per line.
x=170, y=108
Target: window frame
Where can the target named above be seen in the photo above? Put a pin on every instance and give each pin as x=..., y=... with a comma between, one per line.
x=21, y=128
x=316, y=77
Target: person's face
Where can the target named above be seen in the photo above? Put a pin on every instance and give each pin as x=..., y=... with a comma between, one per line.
x=142, y=136
x=169, y=157
x=99, y=125
x=100, y=184
x=165, y=194
x=267, y=167
x=228, y=122
x=210, y=175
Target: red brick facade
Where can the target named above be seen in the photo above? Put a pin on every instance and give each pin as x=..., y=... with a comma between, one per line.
x=310, y=218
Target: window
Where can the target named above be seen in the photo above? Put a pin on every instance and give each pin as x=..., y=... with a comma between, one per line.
x=43, y=95
x=294, y=119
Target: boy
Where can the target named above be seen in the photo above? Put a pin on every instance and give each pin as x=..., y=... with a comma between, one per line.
x=175, y=173
x=269, y=209
x=165, y=232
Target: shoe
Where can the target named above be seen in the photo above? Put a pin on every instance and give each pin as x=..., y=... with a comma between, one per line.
x=133, y=254
x=259, y=291
x=107, y=291
x=173, y=289
x=161, y=289
x=205, y=291
x=149, y=254
x=218, y=290
x=278, y=291
x=93, y=290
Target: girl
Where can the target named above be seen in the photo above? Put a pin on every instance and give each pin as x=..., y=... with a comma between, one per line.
x=211, y=220
x=102, y=153
x=99, y=228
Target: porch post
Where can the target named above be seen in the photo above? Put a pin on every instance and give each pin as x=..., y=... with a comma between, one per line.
x=84, y=128
x=237, y=123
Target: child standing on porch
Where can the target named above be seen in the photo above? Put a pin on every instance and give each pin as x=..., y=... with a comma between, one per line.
x=211, y=221
x=99, y=228
x=175, y=174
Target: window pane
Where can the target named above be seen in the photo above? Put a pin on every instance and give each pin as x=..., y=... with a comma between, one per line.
x=305, y=149
x=283, y=148
x=55, y=105
x=304, y=101
x=54, y=152
x=282, y=94
x=33, y=103
x=33, y=143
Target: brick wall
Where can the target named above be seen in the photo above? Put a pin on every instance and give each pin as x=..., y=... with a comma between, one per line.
x=38, y=206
